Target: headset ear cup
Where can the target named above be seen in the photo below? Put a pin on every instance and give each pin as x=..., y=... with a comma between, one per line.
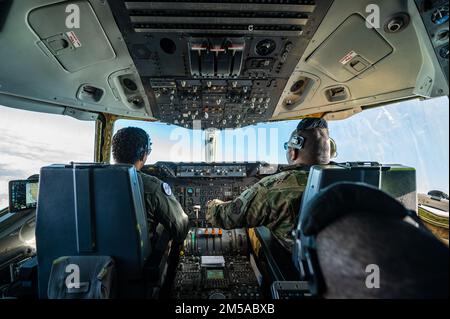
x=333, y=148
x=143, y=155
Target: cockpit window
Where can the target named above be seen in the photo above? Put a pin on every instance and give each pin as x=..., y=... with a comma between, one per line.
x=30, y=140
x=413, y=133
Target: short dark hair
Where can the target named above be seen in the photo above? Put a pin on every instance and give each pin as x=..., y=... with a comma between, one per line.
x=316, y=148
x=130, y=144
x=412, y=262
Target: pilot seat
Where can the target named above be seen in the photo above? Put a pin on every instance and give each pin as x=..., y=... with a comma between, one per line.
x=92, y=239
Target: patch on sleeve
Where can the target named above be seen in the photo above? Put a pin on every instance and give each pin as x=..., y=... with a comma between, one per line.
x=166, y=189
x=237, y=205
x=246, y=197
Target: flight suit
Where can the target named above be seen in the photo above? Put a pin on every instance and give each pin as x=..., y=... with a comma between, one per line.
x=273, y=202
x=162, y=207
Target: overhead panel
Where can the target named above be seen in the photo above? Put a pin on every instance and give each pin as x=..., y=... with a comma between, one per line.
x=74, y=48
x=350, y=50
x=352, y=63
x=221, y=63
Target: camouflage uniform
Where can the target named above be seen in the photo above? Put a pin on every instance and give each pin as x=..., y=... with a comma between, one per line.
x=163, y=208
x=273, y=202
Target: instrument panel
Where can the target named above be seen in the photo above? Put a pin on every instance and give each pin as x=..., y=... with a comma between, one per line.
x=214, y=263
x=221, y=63
x=194, y=184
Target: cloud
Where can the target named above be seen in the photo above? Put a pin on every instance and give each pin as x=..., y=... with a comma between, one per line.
x=3, y=200
x=29, y=141
x=31, y=149
x=6, y=172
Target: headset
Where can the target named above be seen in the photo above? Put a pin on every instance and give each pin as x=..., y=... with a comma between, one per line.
x=297, y=141
x=145, y=150
x=333, y=148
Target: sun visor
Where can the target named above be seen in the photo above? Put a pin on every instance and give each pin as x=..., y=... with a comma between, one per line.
x=350, y=50
x=72, y=33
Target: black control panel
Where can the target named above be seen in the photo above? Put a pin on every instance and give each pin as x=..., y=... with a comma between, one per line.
x=194, y=184
x=216, y=63
x=215, y=103
x=215, y=264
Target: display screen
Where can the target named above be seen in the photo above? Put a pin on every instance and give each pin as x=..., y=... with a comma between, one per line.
x=23, y=195
x=214, y=274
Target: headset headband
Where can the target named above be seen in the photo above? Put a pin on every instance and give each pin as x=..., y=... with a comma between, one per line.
x=311, y=123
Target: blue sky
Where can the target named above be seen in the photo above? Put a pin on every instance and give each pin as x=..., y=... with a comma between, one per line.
x=413, y=133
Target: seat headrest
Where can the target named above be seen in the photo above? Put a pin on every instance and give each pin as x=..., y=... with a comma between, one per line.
x=341, y=198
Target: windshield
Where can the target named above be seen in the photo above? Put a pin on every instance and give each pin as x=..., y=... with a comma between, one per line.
x=31, y=140
x=413, y=133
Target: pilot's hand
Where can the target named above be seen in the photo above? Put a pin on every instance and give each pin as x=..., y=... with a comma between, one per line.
x=213, y=202
x=210, y=218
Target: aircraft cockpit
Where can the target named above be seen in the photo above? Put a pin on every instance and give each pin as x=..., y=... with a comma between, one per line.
x=220, y=88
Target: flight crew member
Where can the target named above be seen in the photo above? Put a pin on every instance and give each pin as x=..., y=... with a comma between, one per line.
x=132, y=145
x=275, y=201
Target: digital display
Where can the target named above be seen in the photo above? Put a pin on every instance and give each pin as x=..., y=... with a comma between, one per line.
x=23, y=195
x=214, y=274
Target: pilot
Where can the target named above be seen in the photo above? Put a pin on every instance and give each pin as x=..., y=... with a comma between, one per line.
x=275, y=201
x=132, y=145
